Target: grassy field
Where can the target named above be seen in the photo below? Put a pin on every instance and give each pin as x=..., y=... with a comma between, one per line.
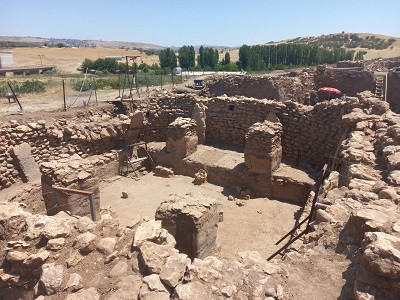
x=68, y=60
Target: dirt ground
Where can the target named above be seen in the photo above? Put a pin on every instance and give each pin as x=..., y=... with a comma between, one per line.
x=69, y=59
x=255, y=226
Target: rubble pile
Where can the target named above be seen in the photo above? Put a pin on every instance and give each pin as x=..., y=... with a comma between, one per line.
x=53, y=256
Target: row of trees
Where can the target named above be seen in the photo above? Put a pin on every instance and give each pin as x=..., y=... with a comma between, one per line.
x=208, y=59
x=261, y=57
x=103, y=64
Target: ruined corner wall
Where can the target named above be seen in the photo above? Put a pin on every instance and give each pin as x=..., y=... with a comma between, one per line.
x=281, y=87
x=162, y=111
x=309, y=132
x=87, y=133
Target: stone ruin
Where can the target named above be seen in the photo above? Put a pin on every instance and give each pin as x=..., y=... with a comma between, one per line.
x=182, y=139
x=277, y=147
x=193, y=222
x=263, y=150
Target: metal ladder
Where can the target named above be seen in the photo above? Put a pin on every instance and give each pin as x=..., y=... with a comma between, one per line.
x=381, y=85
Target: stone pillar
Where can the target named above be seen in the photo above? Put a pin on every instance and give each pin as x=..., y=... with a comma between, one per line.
x=199, y=115
x=135, y=126
x=263, y=151
x=193, y=222
x=182, y=139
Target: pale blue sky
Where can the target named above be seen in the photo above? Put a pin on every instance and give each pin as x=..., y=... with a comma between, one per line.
x=181, y=22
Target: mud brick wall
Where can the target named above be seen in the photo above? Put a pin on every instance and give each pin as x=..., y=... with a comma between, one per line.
x=162, y=111
x=309, y=132
x=349, y=82
x=281, y=87
x=87, y=133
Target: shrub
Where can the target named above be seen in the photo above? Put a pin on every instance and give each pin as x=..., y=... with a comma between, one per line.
x=33, y=86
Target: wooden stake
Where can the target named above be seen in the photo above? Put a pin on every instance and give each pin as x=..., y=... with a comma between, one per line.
x=15, y=96
x=65, y=103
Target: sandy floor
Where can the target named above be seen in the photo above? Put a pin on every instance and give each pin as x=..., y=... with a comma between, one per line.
x=254, y=226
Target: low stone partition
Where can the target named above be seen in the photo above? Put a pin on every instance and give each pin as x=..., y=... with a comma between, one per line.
x=73, y=172
x=182, y=137
x=193, y=221
x=91, y=132
x=263, y=151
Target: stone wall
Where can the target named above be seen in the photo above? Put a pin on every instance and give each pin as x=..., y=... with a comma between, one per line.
x=309, y=132
x=87, y=133
x=393, y=91
x=280, y=87
x=348, y=81
x=163, y=110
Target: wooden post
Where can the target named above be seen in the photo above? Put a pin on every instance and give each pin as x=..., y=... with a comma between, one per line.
x=95, y=91
x=65, y=104
x=15, y=96
x=92, y=207
x=161, y=81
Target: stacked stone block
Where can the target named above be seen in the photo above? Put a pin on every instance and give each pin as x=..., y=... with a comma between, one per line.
x=193, y=221
x=263, y=151
x=182, y=137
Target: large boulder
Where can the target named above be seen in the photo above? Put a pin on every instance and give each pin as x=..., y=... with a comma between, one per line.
x=174, y=269
x=190, y=291
x=153, y=289
x=85, y=294
x=151, y=231
x=29, y=169
x=154, y=256
x=52, y=278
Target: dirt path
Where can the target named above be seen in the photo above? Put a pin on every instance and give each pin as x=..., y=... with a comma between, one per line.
x=254, y=226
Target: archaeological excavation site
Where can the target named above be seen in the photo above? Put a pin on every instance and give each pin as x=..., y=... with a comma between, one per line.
x=252, y=187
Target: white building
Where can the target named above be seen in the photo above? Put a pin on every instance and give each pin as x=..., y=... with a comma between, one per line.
x=6, y=58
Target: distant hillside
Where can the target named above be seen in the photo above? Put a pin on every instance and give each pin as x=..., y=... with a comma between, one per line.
x=13, y=41
x=374, y=45
x=348, y=40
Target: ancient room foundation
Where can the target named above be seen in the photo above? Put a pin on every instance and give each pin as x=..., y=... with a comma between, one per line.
x=210, y=184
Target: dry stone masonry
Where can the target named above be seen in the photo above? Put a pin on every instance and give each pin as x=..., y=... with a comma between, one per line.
x=182, y=138
x=68, y=256
x=193, y=221
x=263, y=151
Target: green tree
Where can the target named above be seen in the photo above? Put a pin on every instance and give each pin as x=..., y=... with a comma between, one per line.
x=201, y=62
x=186, y=56
x=227, y=59
x=167, y=58
x=87, y=65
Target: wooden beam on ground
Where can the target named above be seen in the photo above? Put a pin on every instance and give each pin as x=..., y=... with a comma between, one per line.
x=80, y=192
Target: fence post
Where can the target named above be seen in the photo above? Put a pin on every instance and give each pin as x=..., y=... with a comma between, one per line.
x=95, y=91
x=15, y=96
x=161, y=81
x=65, y=104
x=92, y=207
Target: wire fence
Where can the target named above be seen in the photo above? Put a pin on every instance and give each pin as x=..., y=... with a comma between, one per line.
x=49, y=93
